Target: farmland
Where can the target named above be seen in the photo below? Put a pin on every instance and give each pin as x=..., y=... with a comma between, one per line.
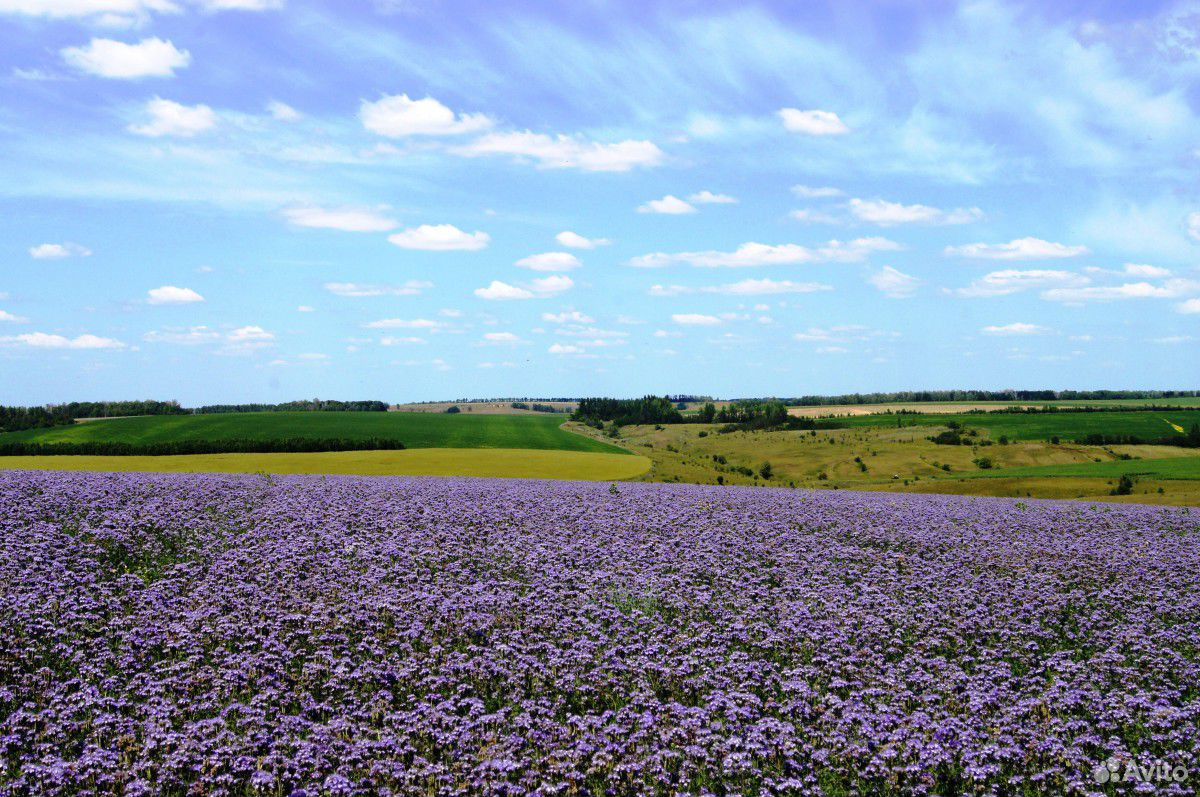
x=416, y=430
x=1043, y=426
x=904, y=460
x=476, y=462
x=192, y=634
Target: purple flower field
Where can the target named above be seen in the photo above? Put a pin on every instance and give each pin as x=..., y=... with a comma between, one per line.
x=187, y=635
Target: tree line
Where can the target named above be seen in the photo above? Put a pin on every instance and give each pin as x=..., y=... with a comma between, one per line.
x=736, y=416
x=628, y=412
x=535, y=406
x=1190, y=440
x=232, y=445
x=14, y=419
x=117, y=409
x=918, y=396
x=309, y=405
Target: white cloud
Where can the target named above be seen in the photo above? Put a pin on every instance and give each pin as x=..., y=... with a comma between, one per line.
x=1015, y=329
x=244, y=340
x=1193, y=225
x=113, y=59
x=188, y=336
x=1143, y=270
x=401, y=323
x=563, y=348
x=304, y=308
x=843, y=333
x=1173, y=340
x=344, y=219
x=748, y=287
x=709, y=198
x=808, y=216
x=58, y=251
x=816, y=192
x=893, y=283
x=566, y=152
x=240, y=5
x=1010, y=281
x=696, y=320
x=573, y=240
x=12, y=319
x=890, y=214
x=355, y=290
x=549, y=286
x=812, y=123
x=169, y=118
x=501, y=337
x=550, y=261
x=501, y=291
x=169, y=294
x=1019, y=249
x=1190, y=307
x=392, y=340
x=282, y=112
x=568, y=317
x=398, y=115
x=440, y=238
x=113, y=12
x=756, y=254
x=668, y=206
x=1171, y=289
x=43, y=340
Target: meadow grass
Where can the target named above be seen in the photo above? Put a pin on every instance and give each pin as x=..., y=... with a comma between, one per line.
x=1173, y=468
x=481, y=462
x=415, y=430
x=1043, y=426
x=903, y=460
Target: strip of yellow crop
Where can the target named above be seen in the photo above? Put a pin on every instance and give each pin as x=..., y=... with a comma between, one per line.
x=483, y=462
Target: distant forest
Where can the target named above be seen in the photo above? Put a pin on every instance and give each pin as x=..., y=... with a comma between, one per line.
x=649, y=409
x=312, y=405
x=986, y=395
x=13, y=419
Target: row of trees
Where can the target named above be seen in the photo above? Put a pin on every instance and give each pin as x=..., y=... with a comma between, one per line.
x=14, y=419
x=220, y=446
x=1189, y=440
x=308, y=405
x=535, y=406
x=738, y=415
x=118, y=409
x=625, y=412
x=988, y=395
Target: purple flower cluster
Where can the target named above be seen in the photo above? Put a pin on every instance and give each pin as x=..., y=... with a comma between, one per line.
x=187, y=635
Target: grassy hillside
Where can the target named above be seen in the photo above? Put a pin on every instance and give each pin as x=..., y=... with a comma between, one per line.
x=1173, y=468
x=487, y=463
x=903, y=460
x=415, y=430
x=1030, y=426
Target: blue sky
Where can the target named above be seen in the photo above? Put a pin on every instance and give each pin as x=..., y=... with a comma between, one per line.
x=229, y=200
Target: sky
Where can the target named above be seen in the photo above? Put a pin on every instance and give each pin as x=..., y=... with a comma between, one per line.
x=264, y=200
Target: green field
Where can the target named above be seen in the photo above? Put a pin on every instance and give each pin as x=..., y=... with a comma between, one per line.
x=479, y=462
x=1042, y=426
x=1175, y=468
x=415, y=430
